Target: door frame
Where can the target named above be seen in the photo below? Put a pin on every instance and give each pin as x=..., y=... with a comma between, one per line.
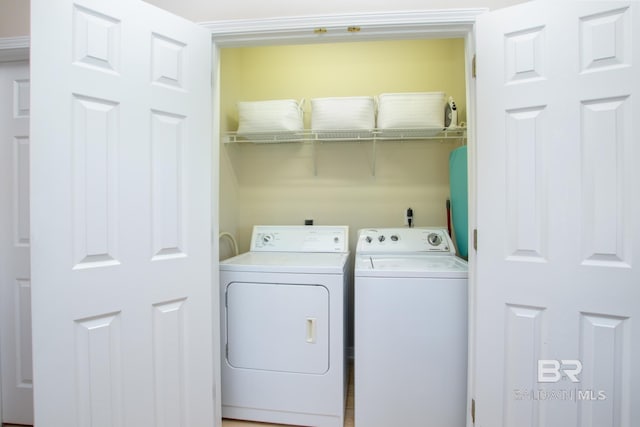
x=458, y=23
x=453, y=23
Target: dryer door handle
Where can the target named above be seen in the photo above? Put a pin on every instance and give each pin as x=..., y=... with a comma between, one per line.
x=311, y=330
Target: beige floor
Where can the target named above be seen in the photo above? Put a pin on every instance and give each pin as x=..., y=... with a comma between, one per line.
x=348, y=422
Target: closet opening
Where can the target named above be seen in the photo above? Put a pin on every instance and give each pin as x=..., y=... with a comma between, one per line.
x=333, y=183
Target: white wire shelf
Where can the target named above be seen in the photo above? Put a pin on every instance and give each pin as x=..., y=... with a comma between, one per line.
x=346, y=135
x=372, y=136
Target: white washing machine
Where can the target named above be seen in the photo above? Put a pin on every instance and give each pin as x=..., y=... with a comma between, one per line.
x=283, y=327
x=410, y=329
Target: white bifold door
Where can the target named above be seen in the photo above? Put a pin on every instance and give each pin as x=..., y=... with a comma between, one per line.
x=120, y=216
x=558, y=258
x=15, y=271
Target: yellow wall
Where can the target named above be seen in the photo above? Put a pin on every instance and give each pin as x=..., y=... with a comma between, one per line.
x=341, y=69
x=275, y=183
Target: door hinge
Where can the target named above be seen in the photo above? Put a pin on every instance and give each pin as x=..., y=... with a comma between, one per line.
x=473, y=411
x=475, y=239
x=473, y=67
x=226, y=351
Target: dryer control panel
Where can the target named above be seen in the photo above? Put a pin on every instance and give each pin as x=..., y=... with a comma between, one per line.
x=303, y=238
x=405, y=240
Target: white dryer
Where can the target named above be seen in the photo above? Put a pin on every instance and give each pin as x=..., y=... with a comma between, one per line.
x=410, y=337
x=283, y=326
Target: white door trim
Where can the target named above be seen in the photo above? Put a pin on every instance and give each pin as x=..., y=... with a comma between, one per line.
x=14, y=48
x=458, y=23
x=330, y=28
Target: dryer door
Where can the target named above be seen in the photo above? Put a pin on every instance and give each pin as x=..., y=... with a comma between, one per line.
x=278, y=327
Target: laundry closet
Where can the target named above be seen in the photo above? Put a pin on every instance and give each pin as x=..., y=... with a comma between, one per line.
x=355, y=182
x=328, y=174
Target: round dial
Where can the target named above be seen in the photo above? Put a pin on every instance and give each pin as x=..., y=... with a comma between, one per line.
x=434, y=239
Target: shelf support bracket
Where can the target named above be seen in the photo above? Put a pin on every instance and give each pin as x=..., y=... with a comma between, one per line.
x=373, y=160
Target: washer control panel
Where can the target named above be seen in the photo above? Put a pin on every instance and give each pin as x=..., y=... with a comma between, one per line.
x=303, y=238
x=405, y=240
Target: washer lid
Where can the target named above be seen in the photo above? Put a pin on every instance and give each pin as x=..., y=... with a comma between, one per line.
x=410, y=266
x=293, y=262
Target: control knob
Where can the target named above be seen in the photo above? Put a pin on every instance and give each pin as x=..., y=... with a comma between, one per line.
x=434, y=239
